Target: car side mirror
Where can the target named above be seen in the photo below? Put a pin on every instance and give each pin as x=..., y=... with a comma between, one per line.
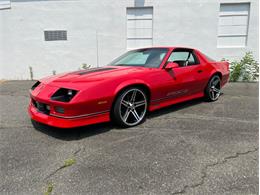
x=171, y=65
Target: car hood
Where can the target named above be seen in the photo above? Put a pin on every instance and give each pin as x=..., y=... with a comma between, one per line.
x=76, y=78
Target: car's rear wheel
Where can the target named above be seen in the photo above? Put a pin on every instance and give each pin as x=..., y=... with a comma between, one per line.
x=212, y=91
x=130, y=107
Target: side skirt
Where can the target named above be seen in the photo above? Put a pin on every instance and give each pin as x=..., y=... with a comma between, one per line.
x=160, y=104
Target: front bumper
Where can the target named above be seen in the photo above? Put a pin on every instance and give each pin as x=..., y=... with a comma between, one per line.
x=59, y=122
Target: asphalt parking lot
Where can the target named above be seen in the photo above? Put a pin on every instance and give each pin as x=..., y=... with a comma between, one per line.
x=190, y=148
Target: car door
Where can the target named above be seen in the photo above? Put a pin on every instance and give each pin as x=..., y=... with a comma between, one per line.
x=188, y=70
x=180, y=81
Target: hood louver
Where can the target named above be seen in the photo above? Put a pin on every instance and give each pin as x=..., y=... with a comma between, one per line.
x=35, y=85
x=94, y=70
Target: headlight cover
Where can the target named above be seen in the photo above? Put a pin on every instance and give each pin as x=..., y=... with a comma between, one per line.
x=35, y=85
x=64, y=95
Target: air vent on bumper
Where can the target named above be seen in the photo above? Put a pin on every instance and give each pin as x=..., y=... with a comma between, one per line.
x=41, y=107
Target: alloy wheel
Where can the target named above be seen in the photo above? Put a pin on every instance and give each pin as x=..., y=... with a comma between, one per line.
x=133, y=107
x=214, y=90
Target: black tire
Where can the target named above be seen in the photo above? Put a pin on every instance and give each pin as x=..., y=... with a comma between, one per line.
x=212, y=91
x=128, y=112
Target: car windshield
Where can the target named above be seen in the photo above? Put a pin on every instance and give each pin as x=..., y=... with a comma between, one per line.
x=151, y=58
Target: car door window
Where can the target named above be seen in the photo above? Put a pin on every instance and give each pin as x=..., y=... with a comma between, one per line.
x=183, y=58
x=176, y=56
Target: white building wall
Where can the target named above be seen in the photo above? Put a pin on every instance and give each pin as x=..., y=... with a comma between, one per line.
x=175, y=22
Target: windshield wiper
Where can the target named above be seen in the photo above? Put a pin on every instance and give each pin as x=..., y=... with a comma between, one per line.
x=121, y=65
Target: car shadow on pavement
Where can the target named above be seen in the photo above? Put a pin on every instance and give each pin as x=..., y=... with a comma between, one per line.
x=78, y=133
x=71, y=134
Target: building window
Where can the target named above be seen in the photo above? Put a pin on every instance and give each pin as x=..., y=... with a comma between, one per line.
x=55, y=35
x=5, y=4
x=233, y=25
x=139, y=27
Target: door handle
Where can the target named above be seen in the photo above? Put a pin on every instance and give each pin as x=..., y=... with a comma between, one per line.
x=200, y=71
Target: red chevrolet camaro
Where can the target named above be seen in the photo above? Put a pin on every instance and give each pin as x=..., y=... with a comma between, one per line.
x=139, y=81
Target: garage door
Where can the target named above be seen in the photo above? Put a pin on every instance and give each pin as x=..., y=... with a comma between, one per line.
x=139, y=27
x=4, y=4
x=233, y=24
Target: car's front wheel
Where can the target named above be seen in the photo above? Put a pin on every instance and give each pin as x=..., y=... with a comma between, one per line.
x=212, y=91
x=130, y=107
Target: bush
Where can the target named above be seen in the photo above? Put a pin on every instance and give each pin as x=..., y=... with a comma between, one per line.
x=247, y=69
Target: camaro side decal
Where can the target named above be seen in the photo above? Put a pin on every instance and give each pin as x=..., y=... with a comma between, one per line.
x=80, y=116
x=95, y=70
x=102, y=102
x=175, y=93
x=171, y=95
